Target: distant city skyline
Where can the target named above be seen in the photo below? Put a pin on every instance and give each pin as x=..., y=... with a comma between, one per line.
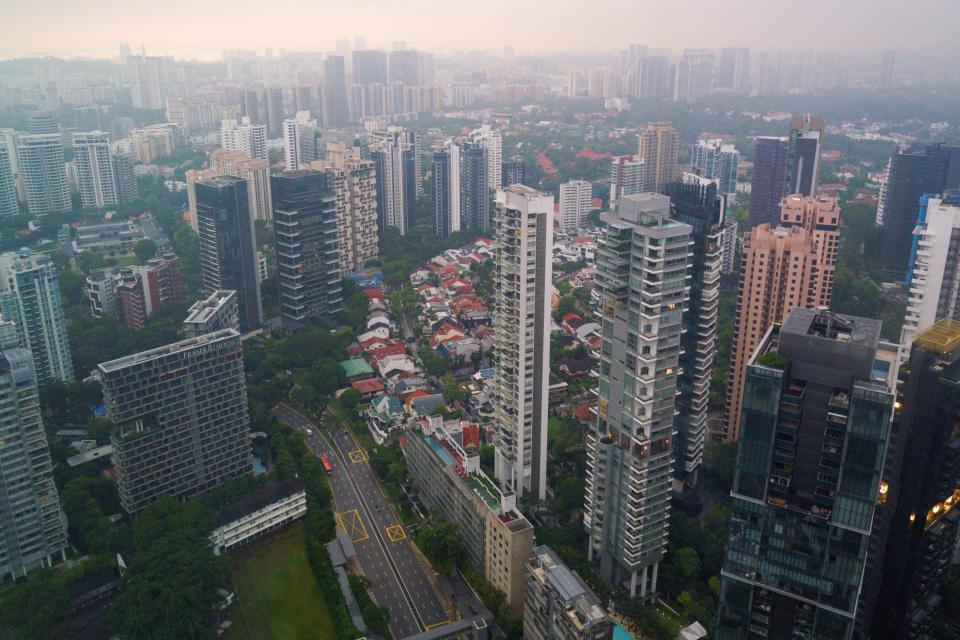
x=183, y=28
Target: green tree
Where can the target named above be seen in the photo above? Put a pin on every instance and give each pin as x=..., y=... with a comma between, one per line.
x=350, y=399
x=144, y=250
x=171, y=586
x=440, y=542
x=34, y=610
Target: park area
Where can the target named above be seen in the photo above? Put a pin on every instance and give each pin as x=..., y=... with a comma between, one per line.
x=277, y=593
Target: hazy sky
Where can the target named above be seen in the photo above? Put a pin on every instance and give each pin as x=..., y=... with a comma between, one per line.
x=202, y=28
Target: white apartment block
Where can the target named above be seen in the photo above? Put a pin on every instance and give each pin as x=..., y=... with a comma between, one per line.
x=627, y=174
x=94, y=167
x=262, y=512
x=44, y=174
x=523, y=241
x=575, y=200
x=934, y=276
x=243, y=136
x=299, y=140
x=492, y=142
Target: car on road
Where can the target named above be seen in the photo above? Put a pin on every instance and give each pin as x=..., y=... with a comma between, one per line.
x=379, y=508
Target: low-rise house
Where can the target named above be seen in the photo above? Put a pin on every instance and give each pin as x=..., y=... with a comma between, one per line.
x=356, y=368
x=260, y=513
x=577, y=367
x=368, y=388
x=424, y=405
x=385, y=408
x=459, y=348
x=377, y=332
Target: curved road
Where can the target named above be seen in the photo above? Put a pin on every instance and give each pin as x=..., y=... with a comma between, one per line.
x=400, y=581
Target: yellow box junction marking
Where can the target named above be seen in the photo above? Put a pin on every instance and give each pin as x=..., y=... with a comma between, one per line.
x=358, y=456
x=434, y=626
x=353, y=525
x=396, y=533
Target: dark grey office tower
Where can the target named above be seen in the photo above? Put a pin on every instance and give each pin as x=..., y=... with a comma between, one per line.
x=181, y=425
x=32, y=527
x=336, y=112
x=701, y=207
x=803, y=156
x=250, y=107
x=42, y=122
x=921, y=490
x=274, y=111
x=913, y=173
x=818, y=402
x=308, y=251
x=127, y=188
x=769, y=174
x=474, y=189
x=405, y=67
x=655, y=81
x=228, y=256
x=303, y=98
x=369, y=67
x=441, y=193
x=512, y=171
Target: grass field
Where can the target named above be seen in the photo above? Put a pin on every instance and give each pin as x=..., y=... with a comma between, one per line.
x=277, y=592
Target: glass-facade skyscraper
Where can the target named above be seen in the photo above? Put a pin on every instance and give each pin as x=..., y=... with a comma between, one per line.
x=818, y=402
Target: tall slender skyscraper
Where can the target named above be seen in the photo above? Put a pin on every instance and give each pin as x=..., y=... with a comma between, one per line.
x=32, y=527
x=336, y=112
x=274, y=97
x=513, y=171
x=630, y=449
x=9, y=205
x=98, y=185
x=370, y=67
x=913, y=173
x=41, y=162
x=228, y=257
x=255, y=171
x=474, y=188
x=803, y=157
x=769, y=174
x=820, y=393
x=446, y=186
x=308, y=262
x=658, y=147
x=181, y=425
x=919, y=494
x=575, y=201
x=703, y=208
x=30, y=298
x=523, y=262
x=781, y=269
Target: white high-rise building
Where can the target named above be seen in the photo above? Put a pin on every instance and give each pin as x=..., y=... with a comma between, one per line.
x=243, y=136
x=717, y=161
x=627, y=174
x=492, y=142
x=575, y=201
x=934, y=275
x=523, y=241
x=98, y=186
x=30, y=297
x=299, y=140
x=44, y=173
x=256, y=171
x=884, y=189
x=10, y=138
x=8, y=187
x=149, y=80
x=643, y=272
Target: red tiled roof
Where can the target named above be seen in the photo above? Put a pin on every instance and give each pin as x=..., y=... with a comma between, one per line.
x=371, y=385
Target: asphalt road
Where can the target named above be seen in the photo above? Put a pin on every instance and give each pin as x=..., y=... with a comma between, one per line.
x=400, y=582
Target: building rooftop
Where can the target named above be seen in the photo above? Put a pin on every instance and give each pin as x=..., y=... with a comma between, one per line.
x=943, y=337
x=176, y=347
x=582, y=604
x=258, y=500
x=202, y=310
